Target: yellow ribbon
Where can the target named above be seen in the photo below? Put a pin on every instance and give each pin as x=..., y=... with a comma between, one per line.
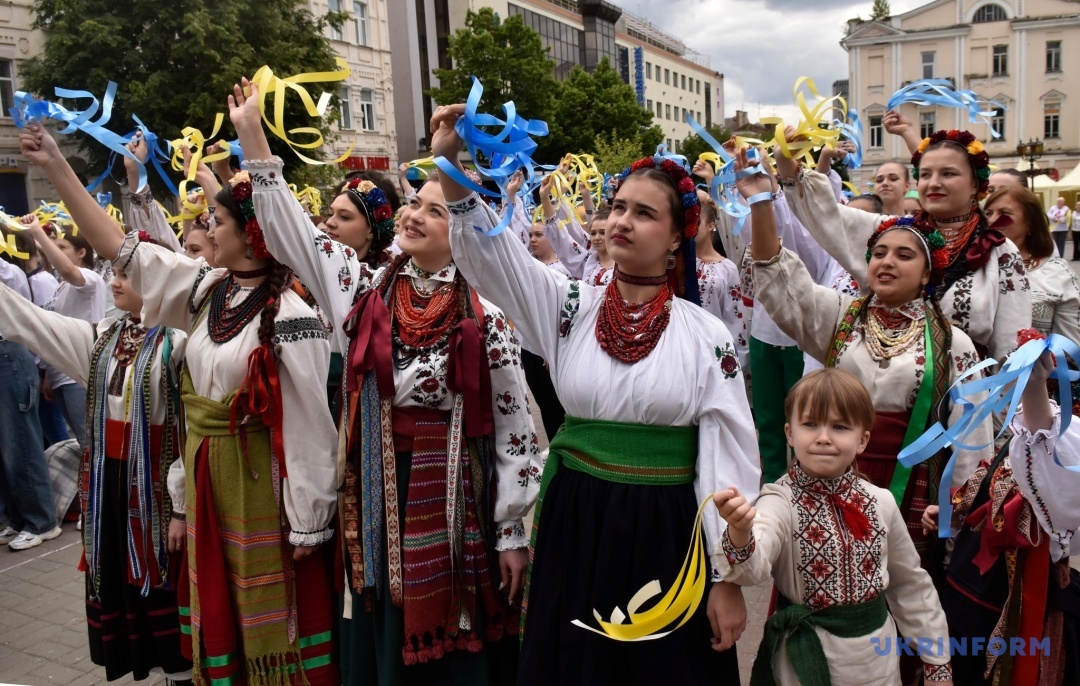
x=814, y=125
x=266, y=81
x=194, y=140
x=676, y=607
x=309, y=196
x=8, y=246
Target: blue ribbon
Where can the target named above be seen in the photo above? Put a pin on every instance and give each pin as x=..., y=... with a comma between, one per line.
x=853, y=131
x=1004, y=391
x=27, y=108
x=722, y=189
x=940, y=93
x=507, y=151
x=104, y=199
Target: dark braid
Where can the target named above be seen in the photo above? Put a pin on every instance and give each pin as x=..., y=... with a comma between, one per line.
x=279, y=279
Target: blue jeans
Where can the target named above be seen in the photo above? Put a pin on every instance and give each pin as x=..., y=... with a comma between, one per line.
x=24, y=477
x=52, y=422
x=71, y=399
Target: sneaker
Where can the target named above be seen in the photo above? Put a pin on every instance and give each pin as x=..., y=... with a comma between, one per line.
x=8, y=535
x=27, y=540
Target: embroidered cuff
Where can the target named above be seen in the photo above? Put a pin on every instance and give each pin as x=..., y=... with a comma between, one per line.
x=937, y=672
x=1029, y=438
x=266, y=175
x=735, y=555
x=460, y=208
x=772, y=260
x=510, y=535
x=142, y=200
x=551, y=223
x=127, y=251
x=311, y=538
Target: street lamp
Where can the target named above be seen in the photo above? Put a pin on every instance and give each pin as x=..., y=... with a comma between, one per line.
x=1030, y=151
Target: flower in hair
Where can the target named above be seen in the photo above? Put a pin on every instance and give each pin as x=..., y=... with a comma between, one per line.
x=977, y=156
x=376, y=207
x=927, y=233
x=240, y=190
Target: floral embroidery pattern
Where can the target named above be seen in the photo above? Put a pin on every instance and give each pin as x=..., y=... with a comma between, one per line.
x=465, y=206
x=429, y=389
x=517, y=444
x=569, y=309
x=507, y=404
x=960, y=294
x=729, y=363
x=511, y=532
x=529, y=474
x=299, y=329
x=1011, y=274
x=502, y=347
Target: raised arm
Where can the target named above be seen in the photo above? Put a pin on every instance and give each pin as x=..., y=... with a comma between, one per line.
x=750, y=562
x=566, y=236
x=63, y=342
x=500, y=267
x=68, y=270
x=330, y=270
x=899, y=125
x=143, y=213
x=100, y=230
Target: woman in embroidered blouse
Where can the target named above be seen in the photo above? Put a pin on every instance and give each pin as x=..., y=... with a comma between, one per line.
x=675, y=401
x=1055, y=291
x=255, y=353
x=1012, y=578
x=985, y=292
x=435, y=415
x=718, y=277
x=882, y=340
x=131, y=375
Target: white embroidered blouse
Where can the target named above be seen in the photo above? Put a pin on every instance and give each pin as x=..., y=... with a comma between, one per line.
x=172, y=287
x=989, y=305
x=337, y=279
x=1055, y=298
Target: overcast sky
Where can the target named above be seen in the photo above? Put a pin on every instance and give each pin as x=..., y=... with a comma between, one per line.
x=762, y=46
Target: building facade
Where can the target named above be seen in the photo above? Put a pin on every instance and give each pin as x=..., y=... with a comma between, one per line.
x=1020, y=53
x=669, y=80
x=367, y=120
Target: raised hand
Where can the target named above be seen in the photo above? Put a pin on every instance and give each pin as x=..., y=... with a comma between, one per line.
x=896, y=123
x=137, y=147
x=756, y=183
x=445, y=141
x=704, y=170
x=738, y=513
x=38, y=146
x=514, y=184
x=244, y=109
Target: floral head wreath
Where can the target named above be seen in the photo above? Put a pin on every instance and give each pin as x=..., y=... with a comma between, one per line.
x=376, y=207
x=932, y=240
x=240, y=190
x=680, y=178
x=980, y=161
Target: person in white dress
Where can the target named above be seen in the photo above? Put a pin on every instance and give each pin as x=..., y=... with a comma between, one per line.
x=439, y=460
x=657, y=419
x=259, y=463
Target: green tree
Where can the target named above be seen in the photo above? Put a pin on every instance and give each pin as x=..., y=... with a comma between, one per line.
x=509, y=59
x=176, y=62
x=614, y=153
x=881, y=10
x=596, y=104
x=693, y=145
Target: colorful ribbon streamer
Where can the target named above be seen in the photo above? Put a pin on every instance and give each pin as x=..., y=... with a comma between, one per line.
x=266, y=81
x=940, y=93
x=811, y=127
x=722, y=188
x=1004, y=391
x=507, y=151
x=309, y=197
x=852, y=130
x=675, y=608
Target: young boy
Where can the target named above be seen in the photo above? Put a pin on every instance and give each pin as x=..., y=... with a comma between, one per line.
x=837, y=549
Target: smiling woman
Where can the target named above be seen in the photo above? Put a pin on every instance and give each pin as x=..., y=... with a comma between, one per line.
x=895, y=340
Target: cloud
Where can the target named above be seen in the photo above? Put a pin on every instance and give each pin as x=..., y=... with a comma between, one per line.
x=760, y=48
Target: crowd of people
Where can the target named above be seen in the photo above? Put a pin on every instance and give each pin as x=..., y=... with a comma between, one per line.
x=304, y=451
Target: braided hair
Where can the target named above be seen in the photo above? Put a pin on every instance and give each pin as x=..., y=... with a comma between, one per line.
x=279, y=280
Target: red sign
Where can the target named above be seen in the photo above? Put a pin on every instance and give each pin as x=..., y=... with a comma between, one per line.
x=356, y=163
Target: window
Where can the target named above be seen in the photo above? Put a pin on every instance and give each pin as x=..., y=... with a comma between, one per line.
x=1001, y=60
x=658, y=73
x=648, y=70
x=877, y=133
x=1051, y=119
x=345, y=120
x=927, y=122
x=7, y=87
x=667, y=111
x=928, y=64
x=360, y=22
x=648, y=105
x=989, y=13
x=367, y=110
x=997, y=122
x=667, y=77
x=335, y=34
x=683, y=85
x=659, y=108
x=669, y=144
x=676, y=148
x=1053, y=56
x=699, y=115
x=699, y=86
